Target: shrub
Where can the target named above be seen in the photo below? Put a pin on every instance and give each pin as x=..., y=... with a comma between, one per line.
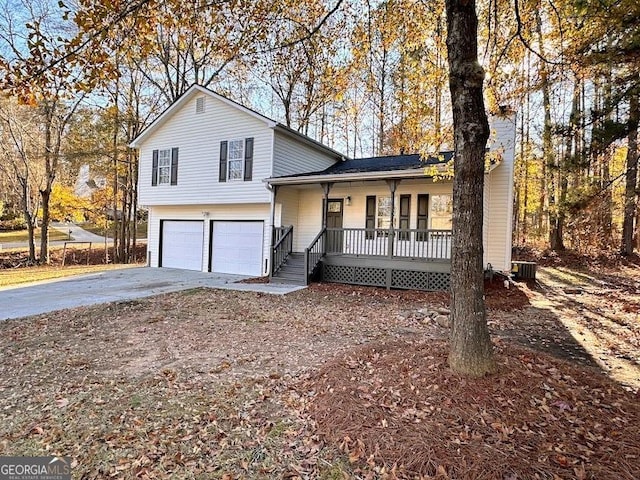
x=13, y=224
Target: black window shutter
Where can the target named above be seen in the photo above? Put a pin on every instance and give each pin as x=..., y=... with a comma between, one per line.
x=370, y=222
x=405, y=209
x=154, y=169
x=423, y=217
x=248, y=159
x=174, y=166
x=223, y=162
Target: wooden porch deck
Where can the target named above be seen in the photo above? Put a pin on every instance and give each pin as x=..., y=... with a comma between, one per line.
x=393, y=258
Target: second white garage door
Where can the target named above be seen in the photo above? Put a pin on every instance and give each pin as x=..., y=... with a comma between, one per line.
x=182, y=244
x=236, y=247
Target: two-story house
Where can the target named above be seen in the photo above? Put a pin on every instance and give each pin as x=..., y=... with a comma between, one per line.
x=231, y=191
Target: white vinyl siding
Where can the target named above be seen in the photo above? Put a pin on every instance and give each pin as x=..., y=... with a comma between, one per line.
x=288, y=197
x=500, y=198
x=207, y=213
x=198, y=137
x=486, y=223
x=291, y=156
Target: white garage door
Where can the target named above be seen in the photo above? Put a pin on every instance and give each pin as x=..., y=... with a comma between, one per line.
x=182, y=244
x=236, y=247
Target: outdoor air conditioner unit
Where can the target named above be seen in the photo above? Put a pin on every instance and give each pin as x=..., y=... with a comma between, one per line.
x=524, y=270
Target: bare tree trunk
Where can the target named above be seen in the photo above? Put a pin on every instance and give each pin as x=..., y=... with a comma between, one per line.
x=28, y=217
x=606, y=215
x=382, y=106
x=50, y=161
x=547, y=199
x=630, y=193
x=54, y=125
x=471, y=351
x=557, y=214
x=526, y=125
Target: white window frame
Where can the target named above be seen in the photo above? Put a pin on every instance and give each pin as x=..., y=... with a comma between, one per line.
x=441, y=211
x=164, y=167
x=239, y=160
x=382, y=231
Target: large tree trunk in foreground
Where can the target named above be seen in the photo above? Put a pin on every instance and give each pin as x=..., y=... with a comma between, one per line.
x=470, y=349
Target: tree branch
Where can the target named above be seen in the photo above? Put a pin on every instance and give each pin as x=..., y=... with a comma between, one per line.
x=524, y=40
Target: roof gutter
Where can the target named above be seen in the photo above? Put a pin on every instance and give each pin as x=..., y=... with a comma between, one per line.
x=348, y=177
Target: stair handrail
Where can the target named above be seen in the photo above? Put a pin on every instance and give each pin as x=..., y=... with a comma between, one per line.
x=314, y=253
x=281, y=250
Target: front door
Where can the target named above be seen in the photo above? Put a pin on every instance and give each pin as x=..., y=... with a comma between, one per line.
x=334, y=220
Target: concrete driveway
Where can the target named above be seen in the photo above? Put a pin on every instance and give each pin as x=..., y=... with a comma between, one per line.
x=116, y=285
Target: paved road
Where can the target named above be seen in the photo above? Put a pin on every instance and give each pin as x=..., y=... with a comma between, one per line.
x=78, y=234
x=116, y=285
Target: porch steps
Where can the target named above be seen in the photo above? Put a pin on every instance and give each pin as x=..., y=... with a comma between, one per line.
x=292, y=271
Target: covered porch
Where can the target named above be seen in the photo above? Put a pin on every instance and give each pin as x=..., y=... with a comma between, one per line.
x=393, y=233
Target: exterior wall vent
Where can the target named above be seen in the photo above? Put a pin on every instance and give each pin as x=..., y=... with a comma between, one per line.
x=200, y=105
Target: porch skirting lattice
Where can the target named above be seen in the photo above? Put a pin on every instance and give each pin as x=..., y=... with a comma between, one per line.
x=385, y=277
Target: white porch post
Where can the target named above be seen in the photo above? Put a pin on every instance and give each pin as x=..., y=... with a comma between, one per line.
x=326, y=188
x=272, y=215
x=393, y=186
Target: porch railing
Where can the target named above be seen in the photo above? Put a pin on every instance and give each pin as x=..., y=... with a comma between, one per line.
x=400, y=243
x=314, y=254
x=278, y=233
x=282, y=247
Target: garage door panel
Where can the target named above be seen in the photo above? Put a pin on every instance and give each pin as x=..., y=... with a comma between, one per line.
x=236, y=247
x=182, y=244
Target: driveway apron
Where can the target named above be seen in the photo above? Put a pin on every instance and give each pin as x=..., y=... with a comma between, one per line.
x=115, y=285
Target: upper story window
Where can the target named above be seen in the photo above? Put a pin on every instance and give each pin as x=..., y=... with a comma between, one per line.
x=165, y=167
x=236, y=160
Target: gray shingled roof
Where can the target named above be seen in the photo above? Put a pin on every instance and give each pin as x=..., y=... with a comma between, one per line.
x=381, y=164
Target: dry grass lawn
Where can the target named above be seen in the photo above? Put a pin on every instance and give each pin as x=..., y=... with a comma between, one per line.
x=9, y=277
x=23, y=236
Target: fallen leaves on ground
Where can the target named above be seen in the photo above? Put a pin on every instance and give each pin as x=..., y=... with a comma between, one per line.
x=397, y=410
x=219, y=384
